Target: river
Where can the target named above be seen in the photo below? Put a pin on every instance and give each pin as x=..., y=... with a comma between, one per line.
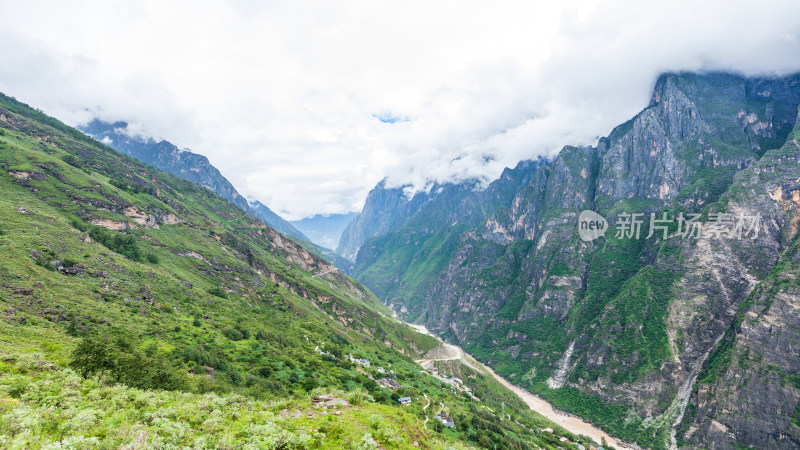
x=572, y=423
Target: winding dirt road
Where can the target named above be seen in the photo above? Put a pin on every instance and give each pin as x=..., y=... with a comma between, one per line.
x=574, y=424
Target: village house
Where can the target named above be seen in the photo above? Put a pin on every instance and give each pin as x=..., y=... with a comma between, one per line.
x=389, y=383
x=404, y=400
x=360, y=362
x=445, y=419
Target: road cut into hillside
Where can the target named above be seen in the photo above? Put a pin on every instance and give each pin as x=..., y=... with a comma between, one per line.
x=449, y=352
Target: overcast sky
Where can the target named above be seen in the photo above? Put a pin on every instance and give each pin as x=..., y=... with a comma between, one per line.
x=307, y=105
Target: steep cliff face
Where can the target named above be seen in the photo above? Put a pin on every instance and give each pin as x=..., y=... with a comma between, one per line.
x=749, y=389
x=616, y=329
x=406, y=262
x=385, y=210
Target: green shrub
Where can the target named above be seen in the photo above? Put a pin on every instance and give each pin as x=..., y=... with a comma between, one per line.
x=261, y=335
x=375, y=421
x=309, y=384
x=71, y=160
x=80, y=225
x=119, y=184
x=123, y=244
x=232, y=334
x=18, y=387
x=218, y=292
x=126, y=364
x=93, y=356
x=198, y=354
x=359, y=396
x=44, y=262
x=67, y=262
x=366, y=443
x=152, y=258
x=132, y=187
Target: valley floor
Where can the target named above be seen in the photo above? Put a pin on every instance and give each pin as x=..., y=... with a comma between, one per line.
x=449, y=352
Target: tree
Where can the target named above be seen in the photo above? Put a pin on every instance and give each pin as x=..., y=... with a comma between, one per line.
x=93, y=356
x=309, y=383
x=127, y=364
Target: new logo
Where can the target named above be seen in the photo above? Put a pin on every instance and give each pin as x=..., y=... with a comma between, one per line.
x=591, y=225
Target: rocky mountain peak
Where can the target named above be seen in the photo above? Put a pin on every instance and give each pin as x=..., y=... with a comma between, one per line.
x=632, y=326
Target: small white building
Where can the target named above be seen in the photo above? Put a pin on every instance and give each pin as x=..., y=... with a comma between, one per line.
x=360, y=362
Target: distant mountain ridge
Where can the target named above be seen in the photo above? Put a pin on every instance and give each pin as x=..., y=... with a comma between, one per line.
x=324, y=230
x=385, y=210
x=190, y=166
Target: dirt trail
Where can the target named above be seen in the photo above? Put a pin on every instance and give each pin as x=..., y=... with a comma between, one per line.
x=448, y=352
x=424, y=408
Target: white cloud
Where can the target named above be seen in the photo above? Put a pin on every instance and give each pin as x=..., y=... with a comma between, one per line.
x=286, y=98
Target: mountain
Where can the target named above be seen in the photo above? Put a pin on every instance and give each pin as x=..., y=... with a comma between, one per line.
x=659, y=339
x=164, y=155
x=323, y=230
x=384, y=210
x=262, y=212
x=142, y=310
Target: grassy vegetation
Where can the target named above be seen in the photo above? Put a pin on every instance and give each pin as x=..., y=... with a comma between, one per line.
x=198, y=327
x=60, y=409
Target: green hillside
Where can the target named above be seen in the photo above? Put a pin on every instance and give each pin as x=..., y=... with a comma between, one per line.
x=142, y=310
